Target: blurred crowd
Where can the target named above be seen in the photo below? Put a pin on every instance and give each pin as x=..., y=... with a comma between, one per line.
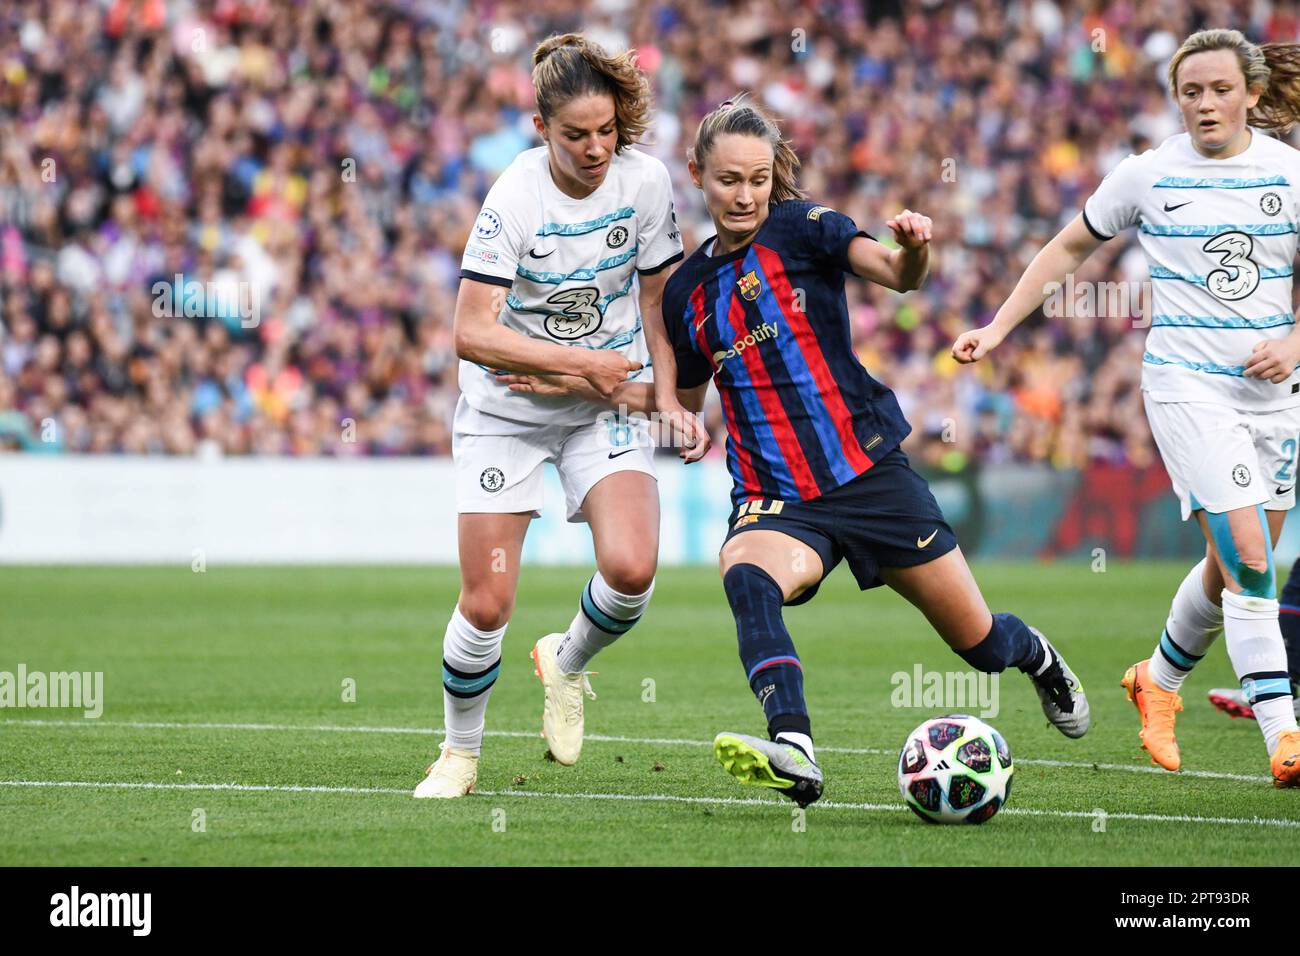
x=235, y=226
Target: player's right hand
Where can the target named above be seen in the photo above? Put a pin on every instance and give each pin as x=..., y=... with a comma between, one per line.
x=974, y=345
x=607, y=370
x=689, y=433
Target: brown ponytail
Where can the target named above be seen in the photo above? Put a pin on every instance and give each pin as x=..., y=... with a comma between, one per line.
x=1279, y=106
x=569, y=65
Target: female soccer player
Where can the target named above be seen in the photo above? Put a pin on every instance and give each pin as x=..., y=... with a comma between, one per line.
x=813, y=440
x=1217, y=210
x=1233, y=701
x=567, y=257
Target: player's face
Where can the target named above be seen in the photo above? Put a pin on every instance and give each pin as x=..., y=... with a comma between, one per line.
x=1213, y=99
x=737, y=182
x=581, y=137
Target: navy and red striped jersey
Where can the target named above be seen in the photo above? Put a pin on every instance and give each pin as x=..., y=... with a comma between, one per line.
x=769, y=322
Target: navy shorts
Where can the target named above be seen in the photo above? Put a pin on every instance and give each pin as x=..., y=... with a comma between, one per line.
x=884, y=518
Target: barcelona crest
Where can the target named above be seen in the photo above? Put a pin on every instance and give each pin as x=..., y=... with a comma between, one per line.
x=749, y=285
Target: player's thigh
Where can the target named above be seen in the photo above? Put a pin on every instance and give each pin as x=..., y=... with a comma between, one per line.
x=490, y=546
x=1238, y=542
x=944, y=590
x=498, y=491
x=1213, y=577
x=1212, y=454
x=623, y=511
x=608, y=474
x=1277, y=444
x=793, y=564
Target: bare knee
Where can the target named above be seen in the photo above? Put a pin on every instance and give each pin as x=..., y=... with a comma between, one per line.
x=629, y=573
x=737, y=552
x=726, y=560
x=730, y=559
x=1256, y=562
x=1252, y=555
x=485, y=610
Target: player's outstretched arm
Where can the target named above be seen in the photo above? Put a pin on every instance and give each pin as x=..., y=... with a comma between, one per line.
x=902, y=269
x=650, y=299
x=630, y=396
x=1065, y=253
x=697, y=441
x=481, y=338
x=688, y=431
x=627, y=398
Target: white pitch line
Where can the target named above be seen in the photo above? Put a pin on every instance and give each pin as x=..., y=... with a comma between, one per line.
x=655, y=741
x=635, y=798
x=236, y=787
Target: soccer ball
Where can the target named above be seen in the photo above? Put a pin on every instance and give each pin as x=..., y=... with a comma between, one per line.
x=955, y=769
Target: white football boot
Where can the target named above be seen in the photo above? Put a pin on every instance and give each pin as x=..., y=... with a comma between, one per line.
x=1233, y=702
x=454, y=775
x=1061, y=692
x=562, y=718
x=770, y=763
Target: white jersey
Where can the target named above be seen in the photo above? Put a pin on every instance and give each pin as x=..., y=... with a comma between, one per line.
x=570, y=265
x=1219, y=238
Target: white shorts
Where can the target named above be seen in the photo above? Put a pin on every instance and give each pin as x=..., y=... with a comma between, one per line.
x=499, y=461
x=1221, y=459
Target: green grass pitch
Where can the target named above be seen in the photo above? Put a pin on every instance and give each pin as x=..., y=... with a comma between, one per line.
x=225, y=690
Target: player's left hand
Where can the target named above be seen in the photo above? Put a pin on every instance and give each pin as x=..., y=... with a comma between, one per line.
x=1273, y=359
x=911, y=229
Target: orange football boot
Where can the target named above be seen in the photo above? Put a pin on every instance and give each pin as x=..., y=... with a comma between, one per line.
x=1286, y=760
x=1157, y=707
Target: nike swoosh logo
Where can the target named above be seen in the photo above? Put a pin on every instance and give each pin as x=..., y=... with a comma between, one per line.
x=615, y=454
x=700, y=323
x=926, y=542
x=1282, y=491
x=1169, y=208
x=534, y=255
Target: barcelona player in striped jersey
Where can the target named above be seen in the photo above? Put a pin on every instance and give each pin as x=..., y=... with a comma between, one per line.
x=813, y=439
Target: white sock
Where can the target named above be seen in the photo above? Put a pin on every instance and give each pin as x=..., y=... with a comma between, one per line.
x=802, y=741
x=471, y=660
x=1194, y=622
x=1259, y=660
x=604, y=615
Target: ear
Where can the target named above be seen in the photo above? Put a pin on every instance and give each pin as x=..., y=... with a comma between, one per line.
x=1252, y=96
x=540, y=127
x=695, y=173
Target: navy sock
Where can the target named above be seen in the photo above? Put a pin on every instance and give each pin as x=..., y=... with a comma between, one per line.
x=1008, y=643
x=1288, y=619
x=766, y=651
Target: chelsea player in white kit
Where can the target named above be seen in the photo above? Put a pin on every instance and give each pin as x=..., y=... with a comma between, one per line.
x=1216, y=209
x=572, y=247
